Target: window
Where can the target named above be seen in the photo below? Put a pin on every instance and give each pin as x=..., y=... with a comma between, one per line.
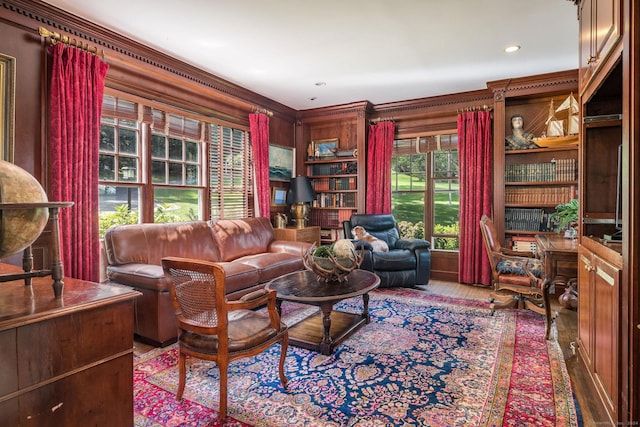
x=155, y=166
x=231, y=172
x=425, y=189
x=176, y=167
x=120, y=163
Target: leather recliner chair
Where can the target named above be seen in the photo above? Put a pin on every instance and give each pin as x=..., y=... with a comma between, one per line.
x=408, y=261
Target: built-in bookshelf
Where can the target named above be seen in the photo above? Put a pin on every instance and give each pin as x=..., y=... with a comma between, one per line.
x=335, y=182
x=535, y=182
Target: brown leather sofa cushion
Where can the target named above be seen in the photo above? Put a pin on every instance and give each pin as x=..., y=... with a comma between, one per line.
x=242, y=237
x=148, y=243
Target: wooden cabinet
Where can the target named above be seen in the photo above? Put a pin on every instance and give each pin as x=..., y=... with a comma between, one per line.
x=529, y=183
x=600, y=31
x=293, y=234
x=599, y=319
x=65, y=361
x=339, y=181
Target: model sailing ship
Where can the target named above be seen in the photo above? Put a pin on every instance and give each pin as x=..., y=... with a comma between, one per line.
x=557, y=133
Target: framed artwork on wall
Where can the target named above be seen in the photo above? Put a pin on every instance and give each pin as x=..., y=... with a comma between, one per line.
x=279, y=196
x=7, y=103
x=281, y=163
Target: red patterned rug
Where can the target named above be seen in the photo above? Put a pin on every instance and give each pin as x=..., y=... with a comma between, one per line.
x=424, y=360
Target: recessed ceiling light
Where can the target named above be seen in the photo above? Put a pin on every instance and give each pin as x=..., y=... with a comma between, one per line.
x=321, y=84
x=511, y=49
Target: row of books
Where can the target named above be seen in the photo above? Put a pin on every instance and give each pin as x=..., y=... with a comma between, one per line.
x=330, y=184
x=330, y=218
x=525, y=219
x=555, y=170
x=334, y=200
x=343, y=168
x=539, y=196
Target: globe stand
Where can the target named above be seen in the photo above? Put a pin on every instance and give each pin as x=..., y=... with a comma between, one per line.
x=56, y=271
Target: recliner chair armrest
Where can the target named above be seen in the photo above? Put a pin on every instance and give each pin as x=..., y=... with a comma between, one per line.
x=413, y=244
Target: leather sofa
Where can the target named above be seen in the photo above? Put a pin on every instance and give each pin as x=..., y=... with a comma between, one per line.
x=408, y=261
x=245, y=248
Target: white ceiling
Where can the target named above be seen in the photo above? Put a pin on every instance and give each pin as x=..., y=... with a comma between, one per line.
x=375, y=50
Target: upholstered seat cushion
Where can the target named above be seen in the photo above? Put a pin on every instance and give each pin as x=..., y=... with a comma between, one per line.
x=247, y=329
x=510, y=266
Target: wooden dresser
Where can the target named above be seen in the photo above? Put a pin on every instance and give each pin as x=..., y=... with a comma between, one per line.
x=66, y=361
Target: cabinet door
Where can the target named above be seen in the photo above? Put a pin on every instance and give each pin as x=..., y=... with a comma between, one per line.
x=586, y=43
x=606, y=29
x=585, y=307
x=606, y=329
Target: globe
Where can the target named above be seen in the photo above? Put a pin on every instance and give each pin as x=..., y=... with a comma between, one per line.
x=20, y=227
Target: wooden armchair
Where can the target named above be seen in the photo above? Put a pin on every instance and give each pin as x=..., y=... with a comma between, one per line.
x=517, y=280
x=212, y=328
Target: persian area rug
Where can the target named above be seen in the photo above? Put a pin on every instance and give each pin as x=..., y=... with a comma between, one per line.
x=424, y=360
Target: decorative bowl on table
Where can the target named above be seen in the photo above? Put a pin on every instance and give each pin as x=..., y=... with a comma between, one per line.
x=333, y=263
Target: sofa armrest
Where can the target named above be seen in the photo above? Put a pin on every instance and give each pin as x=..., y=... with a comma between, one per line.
x=290, y=247
x=413, y=244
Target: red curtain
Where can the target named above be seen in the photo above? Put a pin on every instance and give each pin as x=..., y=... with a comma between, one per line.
x=77, y=86
x=260, y=144
x=379, y=152
x=475, y=149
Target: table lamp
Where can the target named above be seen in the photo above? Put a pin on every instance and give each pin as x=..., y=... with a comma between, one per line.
x=299, y=196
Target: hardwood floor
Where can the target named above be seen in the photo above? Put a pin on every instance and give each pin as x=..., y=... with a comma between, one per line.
x=566, y=325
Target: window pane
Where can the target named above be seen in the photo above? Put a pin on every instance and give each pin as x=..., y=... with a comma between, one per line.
x=175, y=149
x=158, y=173
x=107, y=138
x=175, y=173
x=127, y=141
x=107, y=167
x=192, y=152
x=176, y=204
x=128, y=169
x=158, y=144
x=192, y=175
x=117, y=205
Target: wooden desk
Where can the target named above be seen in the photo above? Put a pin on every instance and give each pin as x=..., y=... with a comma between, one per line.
x=309, y=234
x=68, y=360
x=559, y=256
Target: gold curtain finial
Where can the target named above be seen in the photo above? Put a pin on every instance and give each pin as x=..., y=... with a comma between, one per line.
x=381, y=119
x=54, y=38
x=484, y=107
x=259, y=110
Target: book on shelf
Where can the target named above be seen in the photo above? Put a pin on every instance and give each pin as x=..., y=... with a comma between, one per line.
x=555, y=170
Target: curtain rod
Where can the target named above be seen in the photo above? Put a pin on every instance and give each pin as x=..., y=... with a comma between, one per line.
x=57, y=37
x=381, y=119
x=476, y=108
x=263, y=111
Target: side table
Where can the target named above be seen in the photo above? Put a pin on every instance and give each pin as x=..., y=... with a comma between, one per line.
x=559, y=257
x=309, y=234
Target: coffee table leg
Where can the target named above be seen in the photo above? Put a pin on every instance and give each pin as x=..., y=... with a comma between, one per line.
x=325, y=345
x=365, y=311
x=279, y=307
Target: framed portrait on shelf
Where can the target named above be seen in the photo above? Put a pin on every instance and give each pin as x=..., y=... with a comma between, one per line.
x=7, y=105
x=278, y=196
x=281, y=163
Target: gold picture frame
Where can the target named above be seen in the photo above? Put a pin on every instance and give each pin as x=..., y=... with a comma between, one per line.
x=7, y=106
x=323, y=148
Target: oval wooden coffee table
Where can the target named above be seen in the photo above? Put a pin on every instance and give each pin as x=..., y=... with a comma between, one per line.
x=324, y=331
